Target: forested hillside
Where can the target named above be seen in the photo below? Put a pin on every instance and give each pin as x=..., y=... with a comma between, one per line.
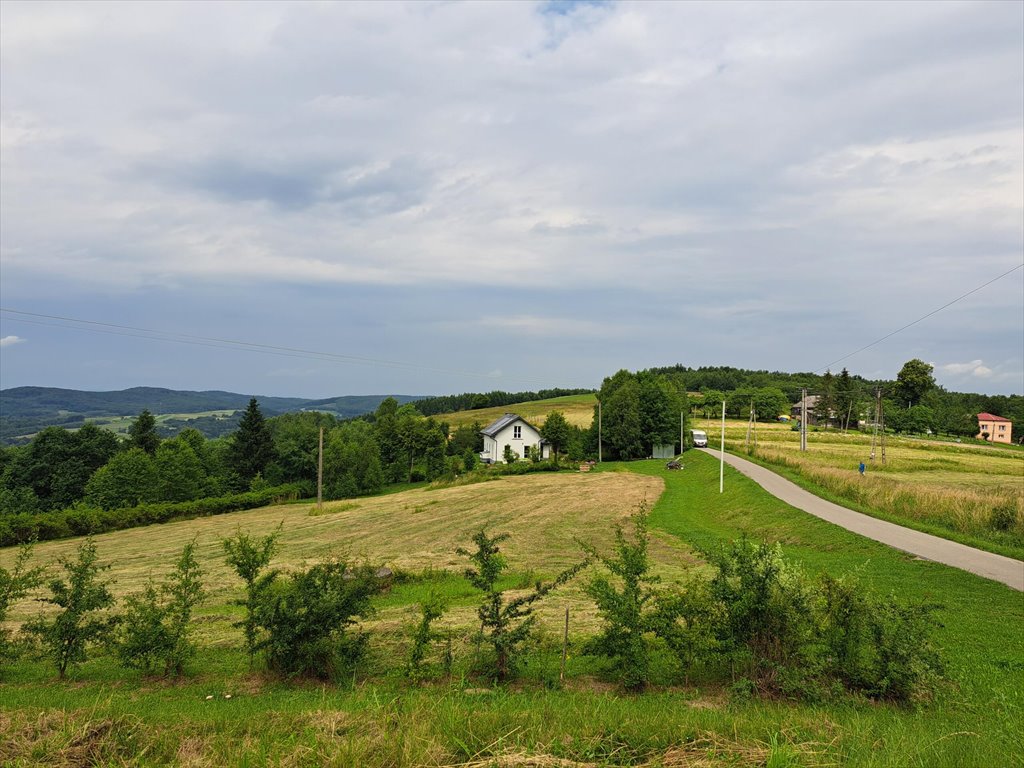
x=25, y=411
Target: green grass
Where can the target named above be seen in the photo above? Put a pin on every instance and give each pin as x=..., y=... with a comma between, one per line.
x=108, y=716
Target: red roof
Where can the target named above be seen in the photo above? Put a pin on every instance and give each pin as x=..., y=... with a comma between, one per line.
x=990, y=417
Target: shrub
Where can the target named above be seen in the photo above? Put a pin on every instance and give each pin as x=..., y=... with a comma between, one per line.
x=83, y=519
x=14, y=585
x=687, y=621
x=505, y=624
x=431, y=609
x=766, y=605
x=307, y=615
x=67, y=634
x=249, y=557
x=156, y=625
x=622, y=604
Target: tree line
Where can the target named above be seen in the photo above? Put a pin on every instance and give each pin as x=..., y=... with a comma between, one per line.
x=471, y=401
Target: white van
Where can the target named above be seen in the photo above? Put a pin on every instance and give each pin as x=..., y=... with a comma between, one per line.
x=700, y=438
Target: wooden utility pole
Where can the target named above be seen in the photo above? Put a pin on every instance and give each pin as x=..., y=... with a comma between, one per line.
x=598, y=431
x=682, y=432
x=721, y=462
x=881, y=411
x=750, y=423
x=320, y=475
x=875, y=412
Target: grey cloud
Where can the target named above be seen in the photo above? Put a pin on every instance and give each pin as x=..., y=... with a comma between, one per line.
x=366, y=188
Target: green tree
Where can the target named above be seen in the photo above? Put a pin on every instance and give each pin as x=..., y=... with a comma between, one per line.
x=14, y=585
x=249, y=558
x=466, y=438
x=352, y=461
x=156, y=627
x=252, y=445
x=711, y=406
x=180, y=473
x=912, y=382
x=79, y=597
x=142, y=433
x=622, y=433
x=556, y=431
x=55, y=467
x=825, y=407
x=296, y=446
x=392, y=457
x=847, y=399
x=127, y=480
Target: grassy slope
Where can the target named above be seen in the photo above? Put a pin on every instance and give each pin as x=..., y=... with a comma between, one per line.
x=109, y=715
x=577, y=409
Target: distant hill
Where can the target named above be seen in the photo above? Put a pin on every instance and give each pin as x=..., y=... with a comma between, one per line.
x=26, y=410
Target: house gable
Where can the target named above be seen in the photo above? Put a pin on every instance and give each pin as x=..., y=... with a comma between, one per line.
x=511, y=430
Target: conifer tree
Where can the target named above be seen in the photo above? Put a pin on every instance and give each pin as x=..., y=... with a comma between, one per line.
x=142, y=433
x=252, y=446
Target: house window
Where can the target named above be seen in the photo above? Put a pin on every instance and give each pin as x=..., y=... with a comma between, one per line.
x=517, y=433
x=1002, y=427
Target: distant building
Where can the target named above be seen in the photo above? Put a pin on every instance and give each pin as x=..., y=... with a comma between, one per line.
x=811, y=401
x=515, y=432
x=995, y=429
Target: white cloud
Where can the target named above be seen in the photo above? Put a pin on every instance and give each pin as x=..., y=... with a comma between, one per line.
x=961, y=368
x=10, y=341
x=976, y=368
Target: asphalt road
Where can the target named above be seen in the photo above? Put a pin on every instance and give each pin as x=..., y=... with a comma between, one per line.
x=924, y=545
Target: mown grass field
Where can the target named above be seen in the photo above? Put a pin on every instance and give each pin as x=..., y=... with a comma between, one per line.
x=107, y=716
x=945, y=488
x=577, y=409
x=120, y=424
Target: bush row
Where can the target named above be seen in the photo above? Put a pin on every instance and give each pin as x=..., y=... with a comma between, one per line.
x=82, y=520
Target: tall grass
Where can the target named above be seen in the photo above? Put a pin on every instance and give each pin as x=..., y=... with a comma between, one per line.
x=966, y=509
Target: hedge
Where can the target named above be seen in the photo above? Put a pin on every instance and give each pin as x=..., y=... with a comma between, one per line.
x=81, y=520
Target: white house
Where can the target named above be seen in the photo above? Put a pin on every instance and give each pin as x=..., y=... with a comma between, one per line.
x=515, y=432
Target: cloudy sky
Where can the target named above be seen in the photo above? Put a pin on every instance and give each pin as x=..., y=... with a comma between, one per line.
x=447, y=197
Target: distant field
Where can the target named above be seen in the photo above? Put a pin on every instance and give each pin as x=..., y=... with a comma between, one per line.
x=947, y=488
x=577, y=409
x=120, y=424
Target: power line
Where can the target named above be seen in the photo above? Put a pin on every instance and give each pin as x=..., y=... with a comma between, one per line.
x=152, y=334
x=923, y=317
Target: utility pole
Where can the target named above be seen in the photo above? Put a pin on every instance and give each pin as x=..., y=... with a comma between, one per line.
x=598, y=431
x=881, y=411
x=682, y=433
x=320, y=475
x=721, y=461
x=803, y=419
x=875, y=408
x=750, y=426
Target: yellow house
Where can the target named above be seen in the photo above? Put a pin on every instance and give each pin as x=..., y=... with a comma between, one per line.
x=995, y=429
